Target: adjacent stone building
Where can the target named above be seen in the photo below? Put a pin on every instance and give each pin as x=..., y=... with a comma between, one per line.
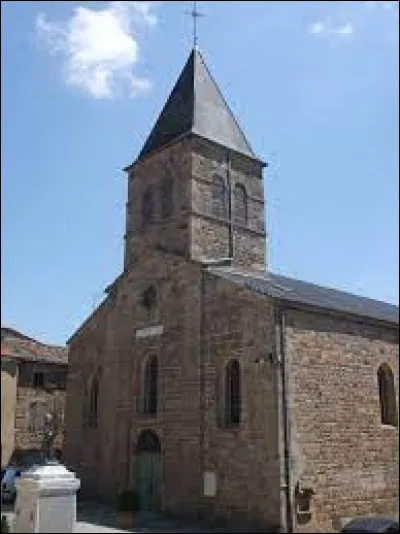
x=33, y=383
x=210, y=384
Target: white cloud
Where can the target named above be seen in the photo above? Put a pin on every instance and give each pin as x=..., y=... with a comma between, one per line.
x=324, y=28
x=351, y=16
x=99, y=47
x=317, y=27
x=371, y=4
x=345, y=29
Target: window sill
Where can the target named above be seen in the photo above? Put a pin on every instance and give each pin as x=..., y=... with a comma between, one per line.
x=388, y=426
x=149, y=416
x=230, y=429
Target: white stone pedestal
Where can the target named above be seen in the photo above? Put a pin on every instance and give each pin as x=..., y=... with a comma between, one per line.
x=46, y=500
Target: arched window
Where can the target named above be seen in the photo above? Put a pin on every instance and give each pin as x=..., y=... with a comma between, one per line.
x=167, y=187
x=387, y=395
x=219, y=200
x=240, y=204
x=37, y=413
x=150, y=386
x=149, y=301
x=233, y=394
x=147, y=207
x=93, y=403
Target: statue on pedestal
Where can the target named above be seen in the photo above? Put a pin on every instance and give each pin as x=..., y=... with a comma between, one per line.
x=50, y=431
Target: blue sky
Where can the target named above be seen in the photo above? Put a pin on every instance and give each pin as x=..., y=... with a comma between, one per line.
x=313, y=84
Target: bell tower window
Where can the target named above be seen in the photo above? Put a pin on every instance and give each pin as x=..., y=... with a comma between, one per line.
x=148, y=207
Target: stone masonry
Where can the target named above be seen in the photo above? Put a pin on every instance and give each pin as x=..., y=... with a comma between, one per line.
x=340, y=447
x=31, y=373
x=192, y=230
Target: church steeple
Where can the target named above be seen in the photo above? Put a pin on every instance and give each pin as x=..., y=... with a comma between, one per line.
x=196, y=188
x=196, y=106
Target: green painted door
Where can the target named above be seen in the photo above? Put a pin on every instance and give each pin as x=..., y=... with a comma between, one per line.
x=149, y=479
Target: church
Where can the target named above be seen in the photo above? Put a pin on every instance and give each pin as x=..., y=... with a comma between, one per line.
x=212, y=386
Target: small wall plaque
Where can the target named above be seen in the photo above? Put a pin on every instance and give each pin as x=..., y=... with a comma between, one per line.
x=210, y=484
x=149, y=331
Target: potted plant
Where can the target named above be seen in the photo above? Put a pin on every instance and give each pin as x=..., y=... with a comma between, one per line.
x=127, y=507
x=4, y=524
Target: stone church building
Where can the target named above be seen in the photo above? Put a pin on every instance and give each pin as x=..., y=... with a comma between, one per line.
x=213, y=386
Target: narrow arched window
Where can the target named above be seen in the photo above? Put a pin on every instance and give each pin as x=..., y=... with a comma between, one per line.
x=150, y=389
x=149, y=301
x=219, y=197
x=233, y=394
x=147, y=207
x=387, y=395
x=166, y=194
x=240, y=204
x=93, y=402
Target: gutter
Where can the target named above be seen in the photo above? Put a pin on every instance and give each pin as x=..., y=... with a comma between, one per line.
x=228, y=176
x=286, y=507
x=202, y=391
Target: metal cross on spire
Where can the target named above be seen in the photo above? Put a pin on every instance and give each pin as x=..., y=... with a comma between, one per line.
x=195, y=15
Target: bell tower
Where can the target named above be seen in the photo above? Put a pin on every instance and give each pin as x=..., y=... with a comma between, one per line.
x=196, y=188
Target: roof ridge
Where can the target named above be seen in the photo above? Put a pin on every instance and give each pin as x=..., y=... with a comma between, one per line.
x=300, y=292
x=24, y=337
x=335, y=289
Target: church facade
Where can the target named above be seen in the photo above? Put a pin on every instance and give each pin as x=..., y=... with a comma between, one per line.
x=211, y=385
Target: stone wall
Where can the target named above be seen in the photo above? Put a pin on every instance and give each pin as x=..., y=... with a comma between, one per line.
x=86, y=447
x=9, y=379
x=170, y=231
x=110, y=332
x=239, y=324
x=20, y=442
x=192, y=229
x=209, y=233
x=210, y=238
x=28, y=440
x=236, y=323
x=340, y=448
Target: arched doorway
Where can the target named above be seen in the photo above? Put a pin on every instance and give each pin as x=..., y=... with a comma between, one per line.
x=148, y=468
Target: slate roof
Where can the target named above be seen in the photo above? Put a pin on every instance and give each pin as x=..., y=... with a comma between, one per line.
x=14, y=344
x=196, y=105
x=296, y=291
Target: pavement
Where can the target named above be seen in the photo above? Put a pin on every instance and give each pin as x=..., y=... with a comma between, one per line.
x=93, y=517
x=89, y=528
x=81, y=526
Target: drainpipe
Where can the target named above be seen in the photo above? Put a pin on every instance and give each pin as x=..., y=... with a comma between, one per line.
x=229, y=180
x=202, y=392
x=286, y=507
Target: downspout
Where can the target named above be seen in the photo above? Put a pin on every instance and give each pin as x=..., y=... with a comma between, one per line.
x=229, y=180
x=286, y=508
x=202, y=392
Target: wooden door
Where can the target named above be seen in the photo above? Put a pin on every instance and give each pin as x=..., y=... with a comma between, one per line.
x=148, y=471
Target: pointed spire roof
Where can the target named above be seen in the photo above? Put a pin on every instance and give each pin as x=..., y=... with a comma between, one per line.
x=196, y=105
